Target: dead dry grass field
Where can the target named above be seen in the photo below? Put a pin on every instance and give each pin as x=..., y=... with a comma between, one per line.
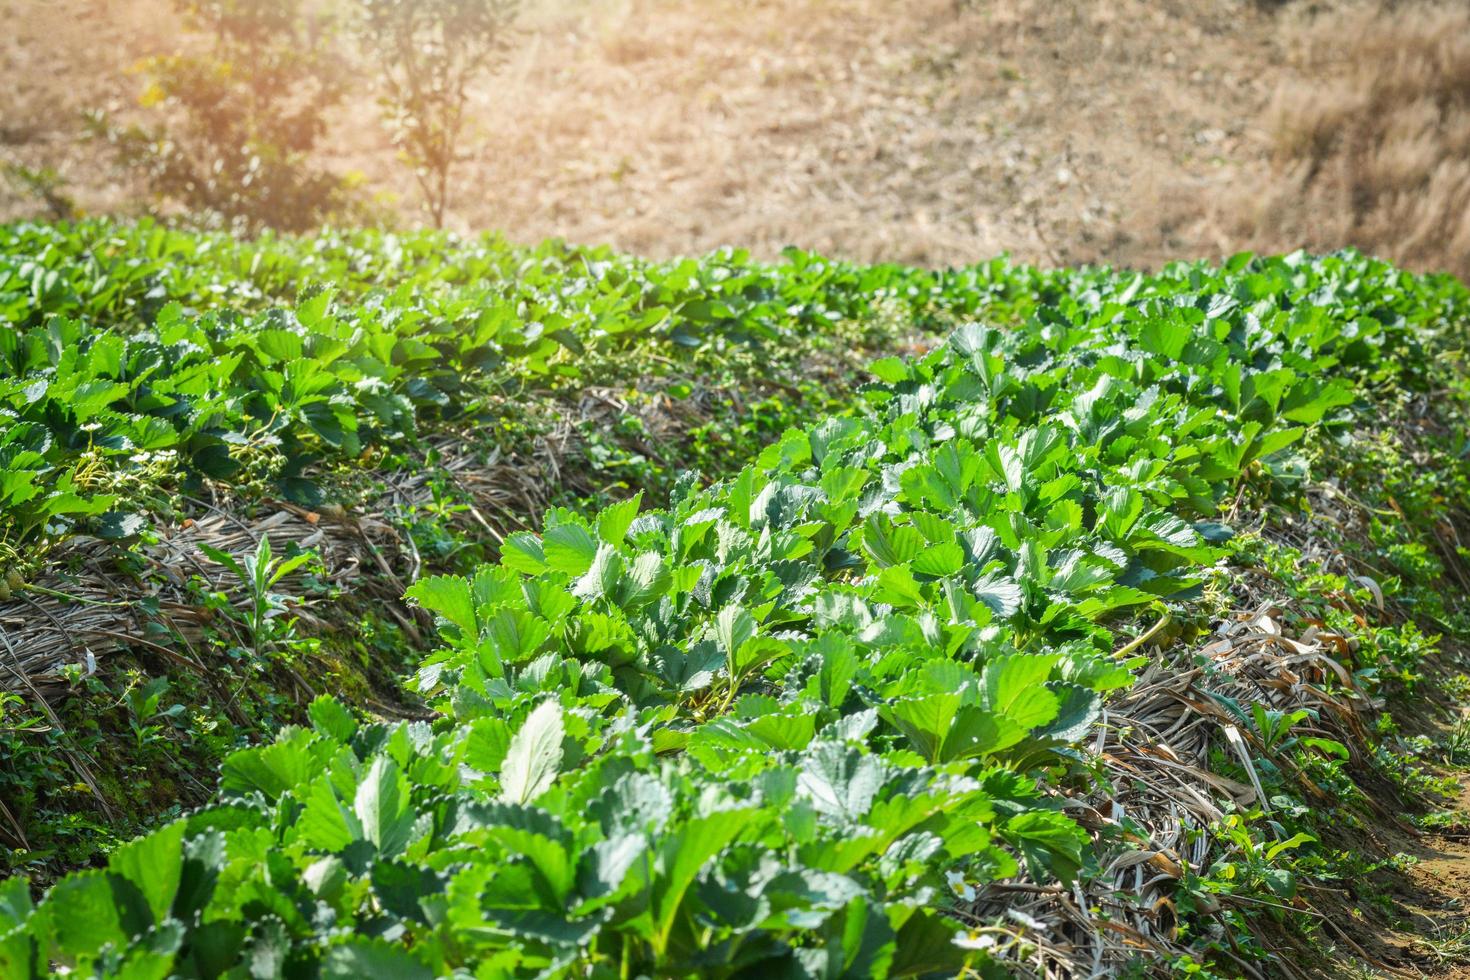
x=931, y=131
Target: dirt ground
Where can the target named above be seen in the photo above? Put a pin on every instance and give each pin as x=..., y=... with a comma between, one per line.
x=1426, y=934
x=930, y=131
x=1439, y=903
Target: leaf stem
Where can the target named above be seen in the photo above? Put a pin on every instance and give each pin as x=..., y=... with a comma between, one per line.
x=1143, y=638
x=32, y=587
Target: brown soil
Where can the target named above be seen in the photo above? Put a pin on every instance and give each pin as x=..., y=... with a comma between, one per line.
x=1428, y=933
x=1411, y=922
x=932, y=131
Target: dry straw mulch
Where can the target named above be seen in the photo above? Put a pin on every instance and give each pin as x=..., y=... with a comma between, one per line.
x=1161, y=798
x=1151, y=818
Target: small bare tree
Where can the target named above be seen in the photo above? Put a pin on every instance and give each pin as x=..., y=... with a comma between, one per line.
x=430, y=52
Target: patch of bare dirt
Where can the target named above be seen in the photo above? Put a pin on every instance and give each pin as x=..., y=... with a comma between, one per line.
x=1427, y=933
x=881, y=131
x=930, y=131
x=61, y=59
x=1129, y=132
x=1411, y=919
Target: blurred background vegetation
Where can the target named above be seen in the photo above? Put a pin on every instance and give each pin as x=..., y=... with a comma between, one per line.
x=932, y=132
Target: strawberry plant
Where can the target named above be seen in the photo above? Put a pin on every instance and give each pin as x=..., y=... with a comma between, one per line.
x=118, y=374
x=765, y=727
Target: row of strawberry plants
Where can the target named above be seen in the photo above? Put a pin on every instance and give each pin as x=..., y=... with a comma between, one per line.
x=124, y=274
x=111, y=383
x=141, y=362
x=784, y=723
x=137, y=356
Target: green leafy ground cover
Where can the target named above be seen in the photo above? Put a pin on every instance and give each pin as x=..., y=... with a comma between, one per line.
x=135, y=356
x=145, y=371
x=786, y=723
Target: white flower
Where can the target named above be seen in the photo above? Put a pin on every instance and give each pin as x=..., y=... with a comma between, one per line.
x=975, y=940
